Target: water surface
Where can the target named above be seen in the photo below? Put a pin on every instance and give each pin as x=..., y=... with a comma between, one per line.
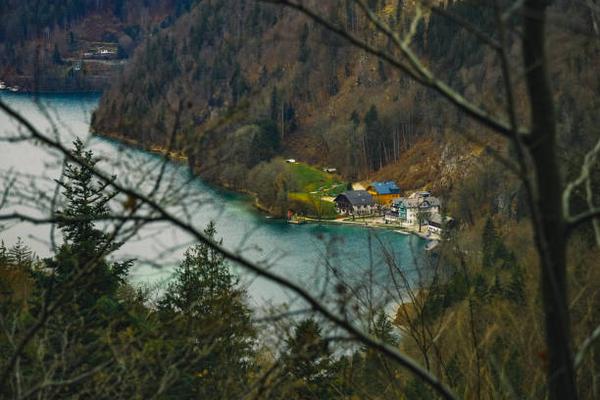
x=308, y=253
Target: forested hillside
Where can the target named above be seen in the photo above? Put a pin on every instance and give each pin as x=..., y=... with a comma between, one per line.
x=233, y=76
x=56, y=46
x=490, y=106
x=298, y=90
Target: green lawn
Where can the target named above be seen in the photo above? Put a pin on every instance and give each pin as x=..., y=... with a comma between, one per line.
x=307, y=186
x=311, y=205
x=308, y=179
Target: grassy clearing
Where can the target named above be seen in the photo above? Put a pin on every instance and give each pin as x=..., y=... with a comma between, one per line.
x=308, y=179
x=311, y=205
x=307, y=187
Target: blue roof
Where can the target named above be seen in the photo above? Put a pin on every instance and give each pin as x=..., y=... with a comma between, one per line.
x=388, y=187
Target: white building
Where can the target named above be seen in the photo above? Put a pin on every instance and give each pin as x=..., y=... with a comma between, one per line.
x=415, y=209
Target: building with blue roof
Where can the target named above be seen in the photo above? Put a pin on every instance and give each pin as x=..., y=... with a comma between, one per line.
x=384, y=192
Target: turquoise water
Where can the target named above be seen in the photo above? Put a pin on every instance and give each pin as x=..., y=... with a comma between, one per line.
x=310, y=254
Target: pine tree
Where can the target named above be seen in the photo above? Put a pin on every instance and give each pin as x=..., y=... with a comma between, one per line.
x=373, y=132
x=494, y=251
x=208, y=322
x=304, y=51
x=238, y=84
x=489, y=243
x=497, y=288
x=56, y=57
x=381, y=70
x=202, y=278
x=377, y=368
x=20, y=255
x=85, y=248
x=4, y=257
x=82, y=283
x=355, y=118
x=307, y=360
x=515, y=289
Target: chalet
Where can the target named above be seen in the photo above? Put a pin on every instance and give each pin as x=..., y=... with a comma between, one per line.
x=355, y=202
x=415, y=209
x=384, y=192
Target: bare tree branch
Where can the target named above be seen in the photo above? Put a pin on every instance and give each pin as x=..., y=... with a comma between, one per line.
x=586, y=345
x=361, y=336
x=415, y=69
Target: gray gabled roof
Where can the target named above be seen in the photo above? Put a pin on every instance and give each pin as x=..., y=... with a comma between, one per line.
x=414, y=202
x=357, y=197
x=436, y=220
x=433, y=201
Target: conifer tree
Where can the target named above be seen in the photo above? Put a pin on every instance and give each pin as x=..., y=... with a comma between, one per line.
x=354, y=117
x=496, y=289
x=515, y=289
x=489, y=243
x=210, y=324
x=85, y=248
x=56, y=57
x=373, y=133
x=307, y=360
x=376, y=370
x=20, y=254
x=304, y=51
x=202, y=278
x=4, y=257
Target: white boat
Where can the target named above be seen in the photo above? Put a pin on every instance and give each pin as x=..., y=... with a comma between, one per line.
x=2, y=85
x=402, y=232
x=432, y=245
x=13, y=88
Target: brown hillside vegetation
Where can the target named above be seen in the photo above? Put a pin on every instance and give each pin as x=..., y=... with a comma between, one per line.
x=501, y=299
x=235, y=84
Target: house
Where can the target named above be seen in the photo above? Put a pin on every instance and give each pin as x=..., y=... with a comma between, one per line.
x=417, y=208
x=355, y=202
x=438, y=225
x=384, y=192
x=435, y=224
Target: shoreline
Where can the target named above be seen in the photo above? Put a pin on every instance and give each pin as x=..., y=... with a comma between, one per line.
x=181, y=158
x=53, y=93
x=401, y=229
x=366, y=222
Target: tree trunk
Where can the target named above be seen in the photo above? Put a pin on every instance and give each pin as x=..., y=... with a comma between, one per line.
x=550, y=227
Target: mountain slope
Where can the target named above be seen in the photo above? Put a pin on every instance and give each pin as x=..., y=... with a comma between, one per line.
x=233, y=64
x=57, y=46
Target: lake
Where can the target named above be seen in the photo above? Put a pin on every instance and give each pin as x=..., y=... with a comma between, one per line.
x=311, y=254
